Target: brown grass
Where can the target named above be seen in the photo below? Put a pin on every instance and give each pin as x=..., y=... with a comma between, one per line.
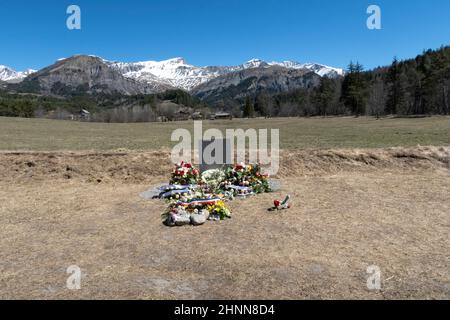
x=144, y=167
x=352, y=208
x=337, y=132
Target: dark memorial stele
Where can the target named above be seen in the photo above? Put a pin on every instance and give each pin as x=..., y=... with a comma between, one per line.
x=214, y=154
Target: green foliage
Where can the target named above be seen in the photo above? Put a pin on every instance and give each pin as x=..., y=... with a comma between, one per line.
x=247, y=176
x=249, y=110
x=354, y=89
x=396, y=82
x=71, y=101
x=417, y=86
x=181, y=97
x=323, y=95
x=410, y=87
x=420, y=85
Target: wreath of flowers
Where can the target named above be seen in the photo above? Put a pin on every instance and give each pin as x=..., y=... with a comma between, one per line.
x=185, y=174
x=249, y=176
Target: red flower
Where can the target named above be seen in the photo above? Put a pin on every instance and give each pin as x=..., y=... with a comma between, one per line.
x=277, y=203
x=188, y=165
x=195, y=172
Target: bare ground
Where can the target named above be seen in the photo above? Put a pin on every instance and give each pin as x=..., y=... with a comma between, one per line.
x=352, y=208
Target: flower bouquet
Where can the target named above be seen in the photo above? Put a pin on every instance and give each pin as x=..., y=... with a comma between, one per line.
x=185, y=174
x=246, y=176
x=195, y=211
x=281, y=205
x=211, y=179
x=194, y=198
x=218, y=211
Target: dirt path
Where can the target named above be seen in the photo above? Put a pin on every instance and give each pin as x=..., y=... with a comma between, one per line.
x=343, y=221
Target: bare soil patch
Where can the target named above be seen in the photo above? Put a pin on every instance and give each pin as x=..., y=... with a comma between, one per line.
x=352, y=208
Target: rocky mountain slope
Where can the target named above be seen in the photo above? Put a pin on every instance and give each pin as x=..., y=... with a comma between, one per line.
x=9, y=75
x=179, y=74
x=271, y=80
x=173, y=72
x=85, y=74
x=90, y=74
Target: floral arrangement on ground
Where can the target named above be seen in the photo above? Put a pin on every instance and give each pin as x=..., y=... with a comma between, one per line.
x=194, y=197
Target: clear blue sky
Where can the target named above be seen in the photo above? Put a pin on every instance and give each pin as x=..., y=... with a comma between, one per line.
x=33, y=34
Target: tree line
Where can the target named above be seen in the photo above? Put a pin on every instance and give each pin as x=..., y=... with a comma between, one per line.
x=102, y=107
x=419, y=86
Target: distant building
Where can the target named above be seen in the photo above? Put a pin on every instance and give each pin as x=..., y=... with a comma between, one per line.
x=162, y=119
x=182, y=115
x=221, y=116
x=197, y=116
x=84, y=115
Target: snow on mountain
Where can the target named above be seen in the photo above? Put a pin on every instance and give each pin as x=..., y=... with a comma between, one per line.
x=174, y=72
x=9, y=75
x=26, y=73
x=320, y=69
x=254, y=63
x=323, y=70
x=178, y=73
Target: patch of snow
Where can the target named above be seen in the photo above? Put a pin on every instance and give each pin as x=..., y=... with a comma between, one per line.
x=10, y=75
x=177, y=73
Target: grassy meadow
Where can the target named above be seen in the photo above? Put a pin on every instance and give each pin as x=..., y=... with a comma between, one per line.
x=345, y=132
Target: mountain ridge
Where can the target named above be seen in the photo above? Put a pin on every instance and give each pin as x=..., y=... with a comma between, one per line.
x=176, y=73
x=179, y=74
x=273, y=79
x=82, y=74
x=10, y=75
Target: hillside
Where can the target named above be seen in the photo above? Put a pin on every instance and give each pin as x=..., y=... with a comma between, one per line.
x=81, y=75
x=232, y=88
x=418, y=86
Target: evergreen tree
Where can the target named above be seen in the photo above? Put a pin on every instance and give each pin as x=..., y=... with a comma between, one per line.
x=249, y=110
x=377, y=99
x=262, y=105
x=323, y=96
x=354, y=89
x=395, y=83
x=440, y=78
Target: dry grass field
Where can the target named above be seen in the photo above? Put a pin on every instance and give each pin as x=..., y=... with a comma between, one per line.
x=346, y=132
x=385, y=203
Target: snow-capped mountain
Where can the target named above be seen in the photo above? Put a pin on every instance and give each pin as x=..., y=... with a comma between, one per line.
x=176, y=72
x=173, y=72
x=320, y=69
x=179, y=74
x=9, y=75
x=85, y=74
